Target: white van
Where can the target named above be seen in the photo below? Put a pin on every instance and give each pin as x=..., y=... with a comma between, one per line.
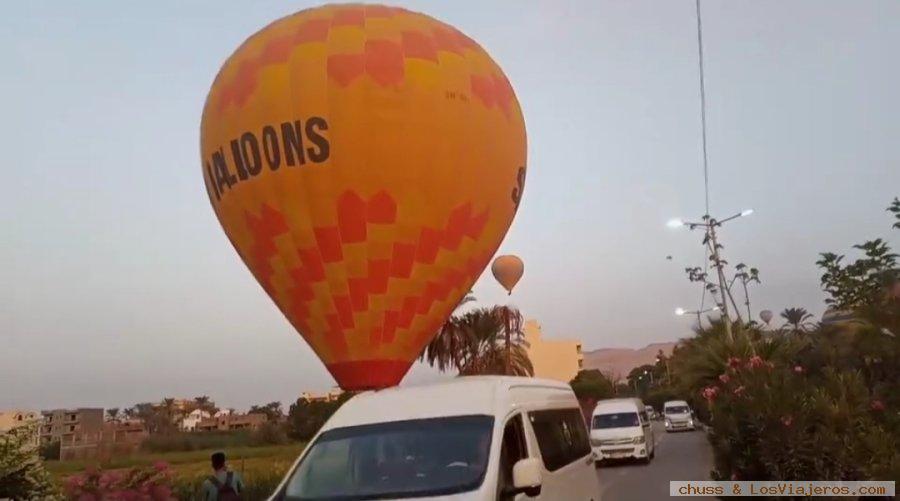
x=621, y=428
x=477, y=437
x=678, y=415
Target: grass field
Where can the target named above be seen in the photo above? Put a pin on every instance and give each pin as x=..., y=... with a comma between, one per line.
x=260, y=467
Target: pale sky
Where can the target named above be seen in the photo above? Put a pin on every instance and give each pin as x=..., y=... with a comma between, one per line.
x=119, y=286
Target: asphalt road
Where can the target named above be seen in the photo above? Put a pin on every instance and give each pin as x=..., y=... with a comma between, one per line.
x=679, y=456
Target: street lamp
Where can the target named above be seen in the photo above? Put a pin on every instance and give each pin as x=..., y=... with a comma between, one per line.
x=682, y=312
x=709, y=225
x=675, y=223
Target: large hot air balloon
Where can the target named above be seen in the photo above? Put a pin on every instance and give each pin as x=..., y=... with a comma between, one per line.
x=766, y=316
x=365, y=162
x=508, y=271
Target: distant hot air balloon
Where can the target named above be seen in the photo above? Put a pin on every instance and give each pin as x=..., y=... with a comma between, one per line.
x=766, y=316
x=365, y=162
x=508, y=271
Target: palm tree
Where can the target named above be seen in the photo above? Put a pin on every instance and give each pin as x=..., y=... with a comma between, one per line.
x=168, y=409
x=112, y=414
x=204, y=403
x=446, y=347
x=698, y=361
x=475, y=343
x=797, y=318
x=468, y=298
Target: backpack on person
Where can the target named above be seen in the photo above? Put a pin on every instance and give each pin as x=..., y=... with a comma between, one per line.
x=225, y=491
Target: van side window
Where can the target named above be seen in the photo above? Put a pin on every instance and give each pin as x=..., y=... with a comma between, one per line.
x=512, y=450
x=561, y=436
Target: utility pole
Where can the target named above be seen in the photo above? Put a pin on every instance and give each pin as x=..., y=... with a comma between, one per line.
x=709, y=225
x=717, y=262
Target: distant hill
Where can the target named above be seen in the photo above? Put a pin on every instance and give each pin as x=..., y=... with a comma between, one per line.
x=618, y=362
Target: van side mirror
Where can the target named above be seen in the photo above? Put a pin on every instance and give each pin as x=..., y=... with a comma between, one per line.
x=526, y=478
x=646, y=424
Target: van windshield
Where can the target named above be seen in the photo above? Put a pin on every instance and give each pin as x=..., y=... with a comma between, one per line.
x=617, y=420
x=677, y=409
x=422, y=457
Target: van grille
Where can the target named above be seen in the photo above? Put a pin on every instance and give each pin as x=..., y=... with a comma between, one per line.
x=612, y=441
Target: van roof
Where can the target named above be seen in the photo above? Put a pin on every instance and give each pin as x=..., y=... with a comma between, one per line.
x=461, y=396
x=673, y=403
x=618, y=405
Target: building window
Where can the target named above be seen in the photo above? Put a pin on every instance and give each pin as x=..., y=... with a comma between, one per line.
x=580, y=363
x=578, y=348
x=72, y=427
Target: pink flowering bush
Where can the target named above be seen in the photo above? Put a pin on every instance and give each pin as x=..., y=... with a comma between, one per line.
x=777, y=406
x=770, y=421
x=149, y=483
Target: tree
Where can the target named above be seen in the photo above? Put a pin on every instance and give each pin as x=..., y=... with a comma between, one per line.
x=860, y=283
x=869, y=281
x=589, y=387
x=112, y=414
x=272, y=410
x=645, y=376
x=168, y=407
x=592, y=384
x=475, y=343
x=798, y=319
x=22, y=474
x=746, y=276
x=895, y=209
x=306, y=417
x=205, y=404
x=155, y=417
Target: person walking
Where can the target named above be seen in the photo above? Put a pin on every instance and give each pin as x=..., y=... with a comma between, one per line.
x=223, y=484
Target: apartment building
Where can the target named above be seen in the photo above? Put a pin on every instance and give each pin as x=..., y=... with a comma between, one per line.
x=234, y=421
x=328, y=396
x=558, y=359
x=71, y=425
x=16, y=418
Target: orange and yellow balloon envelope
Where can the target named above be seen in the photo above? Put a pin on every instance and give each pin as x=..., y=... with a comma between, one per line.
x=365, y=162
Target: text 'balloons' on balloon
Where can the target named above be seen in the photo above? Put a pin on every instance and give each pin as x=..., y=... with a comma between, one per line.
x=365, y=162
x=508, y=270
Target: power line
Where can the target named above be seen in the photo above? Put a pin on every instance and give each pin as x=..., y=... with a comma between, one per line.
x=702, y=106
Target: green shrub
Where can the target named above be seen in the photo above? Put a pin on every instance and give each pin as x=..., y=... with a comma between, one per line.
x=50, y=451
x=269, y=434
x=22, y=474
x=192, y=441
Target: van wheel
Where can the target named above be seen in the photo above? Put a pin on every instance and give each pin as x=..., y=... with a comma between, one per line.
x=653, y=453
x=646, y=459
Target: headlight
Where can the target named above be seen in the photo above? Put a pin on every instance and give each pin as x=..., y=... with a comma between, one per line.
x=668, y=423
x=638, y=440
x=691, y=423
